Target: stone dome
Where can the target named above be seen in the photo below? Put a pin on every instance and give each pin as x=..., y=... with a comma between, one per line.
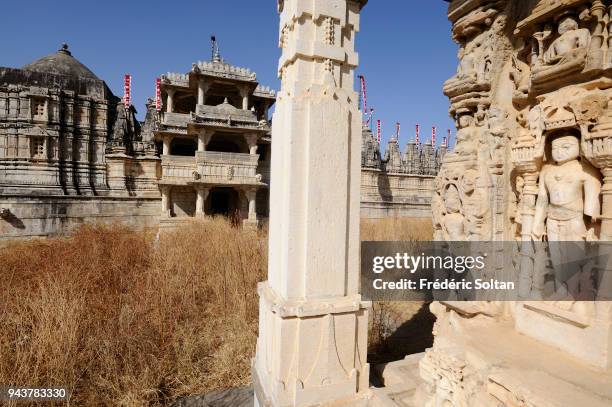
x=61, y=63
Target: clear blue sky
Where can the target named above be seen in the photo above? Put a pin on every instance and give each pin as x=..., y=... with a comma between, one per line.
x=406, y=50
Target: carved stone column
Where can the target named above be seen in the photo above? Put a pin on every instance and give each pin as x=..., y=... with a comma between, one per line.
x=204, y=137
x=597, y=148
x=202, y=89
x=251, y=195
x=527, y=161
x=312, y=340
x=167, y=140
x=244, y=93
x=202, y=194
x=166, y=201
x=170, y=100
x=251, y=140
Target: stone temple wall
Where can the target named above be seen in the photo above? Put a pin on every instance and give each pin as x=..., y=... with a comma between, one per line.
x=43, y=216
x=396, y=185
x=533, y=159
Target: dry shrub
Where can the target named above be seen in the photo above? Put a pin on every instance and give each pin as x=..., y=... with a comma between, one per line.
x=123, y=320
x=398, y=229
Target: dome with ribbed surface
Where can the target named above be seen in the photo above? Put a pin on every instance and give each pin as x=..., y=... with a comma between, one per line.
x=61, y=63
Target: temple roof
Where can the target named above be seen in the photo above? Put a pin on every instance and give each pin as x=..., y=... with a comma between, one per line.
x=221, y=69
x=61, y=63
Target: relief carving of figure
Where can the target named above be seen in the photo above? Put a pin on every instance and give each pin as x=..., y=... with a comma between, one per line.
x=571, y=44
x=568, y=192
x=467, y=135
x=475, y=205
x=567, y=53
x=568, y=198
x=467, y=65
x=453, y=224
x=498, y=130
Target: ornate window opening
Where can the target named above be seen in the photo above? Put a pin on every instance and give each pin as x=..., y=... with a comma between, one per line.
x=37, y=147
x=39, y=108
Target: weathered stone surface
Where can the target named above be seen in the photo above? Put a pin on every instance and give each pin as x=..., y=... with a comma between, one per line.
x=236, y=397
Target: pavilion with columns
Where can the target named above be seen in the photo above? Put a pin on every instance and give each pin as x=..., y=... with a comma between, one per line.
x=214, y=135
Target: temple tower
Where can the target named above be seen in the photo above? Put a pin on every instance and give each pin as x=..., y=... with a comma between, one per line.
x=313, y=325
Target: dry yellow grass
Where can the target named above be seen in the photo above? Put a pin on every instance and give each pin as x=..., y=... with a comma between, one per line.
x=124, y=320
x=123, y=324
x=398, y=229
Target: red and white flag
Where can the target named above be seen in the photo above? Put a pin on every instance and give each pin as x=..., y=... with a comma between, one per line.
x=433, y=136
x=158, y=94
x=378, y=130
x=127, y=90
x=418, y=134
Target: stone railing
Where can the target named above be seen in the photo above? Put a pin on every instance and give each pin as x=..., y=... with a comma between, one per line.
x=177, y=79
x=227, y=168
x=178, y=168
x=175, y=119
x=264, y=91
x=223, y=70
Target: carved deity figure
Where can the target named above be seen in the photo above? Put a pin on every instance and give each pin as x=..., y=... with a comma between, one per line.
x=467, y=66
x=453, y=224
x=466, y=135
x=497, y=136
x=475, y=205
x=571, y=44
x=568, y=191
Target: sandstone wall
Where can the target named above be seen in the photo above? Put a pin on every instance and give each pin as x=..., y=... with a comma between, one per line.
x=41, y=216
x=395, y=195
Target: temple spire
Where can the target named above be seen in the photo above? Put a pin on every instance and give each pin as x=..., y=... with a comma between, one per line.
x=216, y=54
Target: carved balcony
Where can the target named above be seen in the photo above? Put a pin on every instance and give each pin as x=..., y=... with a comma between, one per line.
x=219, y=168
x=177, y=170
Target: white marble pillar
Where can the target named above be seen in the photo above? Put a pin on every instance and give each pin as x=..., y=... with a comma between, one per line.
x=202, y=194
x=167, y=140
x=203, y=139
x=244, y=93
x=170, y=100
x=251, y=140
x=166, y=201
x=251, y=194
x=312, y=341
x=202, y=89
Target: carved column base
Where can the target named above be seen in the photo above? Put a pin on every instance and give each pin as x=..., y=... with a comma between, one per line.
x=327, y=365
